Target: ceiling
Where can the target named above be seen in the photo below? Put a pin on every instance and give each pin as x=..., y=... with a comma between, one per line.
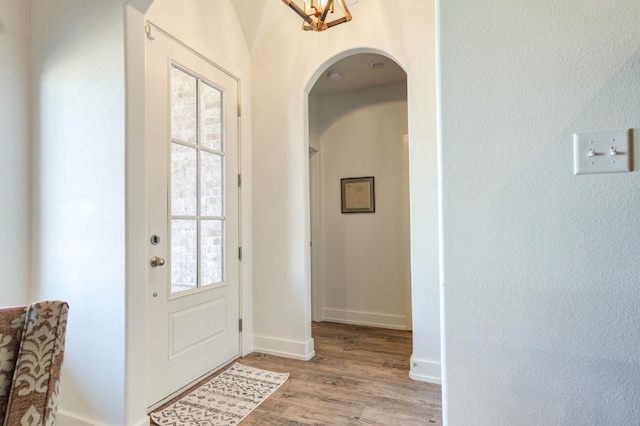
x=256, y=18
x=251, y=15
x=359, y=71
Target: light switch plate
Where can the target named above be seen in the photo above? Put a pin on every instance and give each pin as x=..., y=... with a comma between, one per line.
x=606, y=151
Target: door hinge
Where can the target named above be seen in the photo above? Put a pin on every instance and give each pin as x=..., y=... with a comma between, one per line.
x=239, y=253
x=239, y=110
x=239, y=181
x=240, y=325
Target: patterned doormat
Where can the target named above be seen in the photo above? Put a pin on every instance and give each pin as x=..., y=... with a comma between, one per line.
x=224, y=400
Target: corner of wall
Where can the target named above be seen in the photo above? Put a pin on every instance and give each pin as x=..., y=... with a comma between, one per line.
x=425, y=371
x=303, y=351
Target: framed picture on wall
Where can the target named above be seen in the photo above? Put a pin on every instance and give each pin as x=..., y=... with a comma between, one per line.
x=358, y=195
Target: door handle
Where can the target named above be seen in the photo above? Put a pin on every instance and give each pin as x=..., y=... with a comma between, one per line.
x=156, y=261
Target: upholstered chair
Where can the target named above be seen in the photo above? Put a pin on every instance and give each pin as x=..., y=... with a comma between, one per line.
x=31, y=352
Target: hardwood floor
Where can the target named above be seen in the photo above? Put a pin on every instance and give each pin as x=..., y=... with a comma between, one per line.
x=359, y=376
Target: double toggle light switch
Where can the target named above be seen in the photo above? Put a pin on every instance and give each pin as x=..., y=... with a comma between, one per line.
x=612, y=151
x=605, y=151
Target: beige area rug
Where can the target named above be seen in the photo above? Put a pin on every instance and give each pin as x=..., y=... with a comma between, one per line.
x=224, y=400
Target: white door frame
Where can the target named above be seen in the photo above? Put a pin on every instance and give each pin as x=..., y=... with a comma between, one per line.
x=315, y=207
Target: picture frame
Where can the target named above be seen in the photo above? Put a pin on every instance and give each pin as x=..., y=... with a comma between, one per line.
x=358, y=195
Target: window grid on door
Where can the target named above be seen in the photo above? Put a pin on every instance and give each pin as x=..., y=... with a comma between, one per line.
x=196, y=190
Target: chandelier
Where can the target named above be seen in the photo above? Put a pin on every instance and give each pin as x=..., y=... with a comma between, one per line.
x=315, y=13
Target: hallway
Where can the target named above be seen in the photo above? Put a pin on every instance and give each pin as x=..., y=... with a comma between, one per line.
x=359, y=376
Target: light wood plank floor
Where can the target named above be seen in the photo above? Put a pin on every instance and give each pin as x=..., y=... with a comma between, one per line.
x=359, y=376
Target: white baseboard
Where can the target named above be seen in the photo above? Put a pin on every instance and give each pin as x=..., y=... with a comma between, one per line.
x=370, y=319
x=303, y=351
x=425, y=371
x=64, y=418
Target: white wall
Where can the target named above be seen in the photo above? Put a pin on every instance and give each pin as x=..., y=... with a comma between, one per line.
x=365, y=257
x=14, y=161
x=541, y=267
x=285, y=64
x=79, y=194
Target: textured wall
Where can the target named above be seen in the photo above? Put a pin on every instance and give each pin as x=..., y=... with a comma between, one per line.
x=14, y=160
x=541, y=267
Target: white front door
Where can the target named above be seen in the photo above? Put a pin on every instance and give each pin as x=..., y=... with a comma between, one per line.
x=192, y=192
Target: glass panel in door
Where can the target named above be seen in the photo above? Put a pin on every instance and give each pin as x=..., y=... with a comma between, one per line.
x=197, y=183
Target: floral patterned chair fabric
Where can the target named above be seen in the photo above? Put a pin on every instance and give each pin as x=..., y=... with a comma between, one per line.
x=31, y=352
x=11, y=325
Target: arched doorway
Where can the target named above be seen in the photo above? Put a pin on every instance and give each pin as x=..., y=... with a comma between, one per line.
x=358, y=125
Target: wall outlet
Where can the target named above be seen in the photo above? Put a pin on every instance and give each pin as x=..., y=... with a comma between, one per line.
x=606, y=151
